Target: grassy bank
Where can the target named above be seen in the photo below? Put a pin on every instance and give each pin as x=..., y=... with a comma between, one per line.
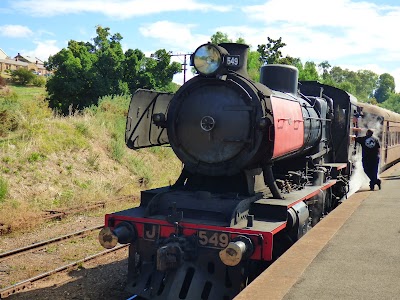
x=49, y=162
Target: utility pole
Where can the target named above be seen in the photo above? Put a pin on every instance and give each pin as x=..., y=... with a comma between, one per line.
x=184, y=68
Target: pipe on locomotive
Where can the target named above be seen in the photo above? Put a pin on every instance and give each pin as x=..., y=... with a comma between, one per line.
x=270, y=181
x=123, y=233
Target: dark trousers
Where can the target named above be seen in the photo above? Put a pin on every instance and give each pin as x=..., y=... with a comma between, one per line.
x=371, y=169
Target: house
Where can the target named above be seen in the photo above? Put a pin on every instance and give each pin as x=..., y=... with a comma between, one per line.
x=3, y=55
x=28, y=59
x=22, y=61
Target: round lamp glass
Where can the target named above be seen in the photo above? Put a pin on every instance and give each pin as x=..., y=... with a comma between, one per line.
x=207, y=59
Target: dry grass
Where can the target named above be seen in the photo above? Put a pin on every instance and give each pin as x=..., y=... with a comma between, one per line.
x=49, y=162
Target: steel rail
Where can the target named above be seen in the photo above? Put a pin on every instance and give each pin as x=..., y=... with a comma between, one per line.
x=22, y=285
x=42, y=244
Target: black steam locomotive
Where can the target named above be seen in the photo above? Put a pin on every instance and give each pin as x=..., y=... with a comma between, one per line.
x=263, y=162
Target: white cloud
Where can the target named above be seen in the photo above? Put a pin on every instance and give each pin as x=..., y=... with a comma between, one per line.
x=15, y=31
x=337, y=13
x=43, y=49
x=339, y=29
x=396, y=74
x=113, y=8
x=178, y=37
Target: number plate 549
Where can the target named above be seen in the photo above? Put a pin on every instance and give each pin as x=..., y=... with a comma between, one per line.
x=213, y=239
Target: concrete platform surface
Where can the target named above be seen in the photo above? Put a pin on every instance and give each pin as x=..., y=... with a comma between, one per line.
x=353, y=253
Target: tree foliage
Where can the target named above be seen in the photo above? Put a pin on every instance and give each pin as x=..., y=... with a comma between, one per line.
x=386, y=87
x=219, y=37
x=84, y=71
x=270, y=53
x=253, y=65
x=392, y=103
x=22, y=76
x=309, y=72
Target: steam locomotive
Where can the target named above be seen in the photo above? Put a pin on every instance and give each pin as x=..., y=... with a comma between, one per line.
x=263, y=162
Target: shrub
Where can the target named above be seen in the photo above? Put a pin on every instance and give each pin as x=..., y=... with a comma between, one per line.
x=22, y=76
x=39, y=81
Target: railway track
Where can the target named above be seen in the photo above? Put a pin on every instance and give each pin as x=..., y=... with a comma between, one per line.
x=43, y=259
x=25, y=284
x=43, y=244
x=64, y=212
x=7, y=258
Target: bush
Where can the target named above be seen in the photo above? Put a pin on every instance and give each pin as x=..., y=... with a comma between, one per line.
x=22, y=76
x=39, y=81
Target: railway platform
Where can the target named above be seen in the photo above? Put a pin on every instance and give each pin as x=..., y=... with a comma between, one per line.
x=353, y=253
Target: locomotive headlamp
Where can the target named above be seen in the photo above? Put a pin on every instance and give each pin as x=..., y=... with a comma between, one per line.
x=239, y=249
x=207, y=59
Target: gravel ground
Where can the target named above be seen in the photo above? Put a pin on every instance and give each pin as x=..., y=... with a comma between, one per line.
x=102, y=278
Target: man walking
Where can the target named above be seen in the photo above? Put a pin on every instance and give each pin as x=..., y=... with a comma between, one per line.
x=370, y=157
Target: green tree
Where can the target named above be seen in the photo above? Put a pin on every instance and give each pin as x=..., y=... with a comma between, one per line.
x=367, y=84
x=253, y=65
x=22, y=76
x=386, y=87
x=219, y=37
x=361, y=83
x=84, y=72
x=309, y=72
x=108, y=67
x=325, y=66
x=392, y=103
x=161, y=68
x=347, y=86
x=73, y=84
x=337, y=74
x=270, y=53
x=241, y=41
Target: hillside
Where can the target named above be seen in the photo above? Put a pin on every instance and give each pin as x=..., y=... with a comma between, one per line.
x=48, y=162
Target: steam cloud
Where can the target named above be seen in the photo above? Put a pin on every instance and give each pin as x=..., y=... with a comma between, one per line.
x=359, y=180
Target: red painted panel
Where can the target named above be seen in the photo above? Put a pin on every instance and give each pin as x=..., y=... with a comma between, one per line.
x=262, y=241
x=288, y=125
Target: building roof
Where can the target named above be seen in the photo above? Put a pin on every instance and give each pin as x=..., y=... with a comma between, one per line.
x=13, y=62
x=33, y=60
x=3, y=55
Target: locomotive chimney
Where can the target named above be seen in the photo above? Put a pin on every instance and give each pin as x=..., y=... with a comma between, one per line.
x=241, y=50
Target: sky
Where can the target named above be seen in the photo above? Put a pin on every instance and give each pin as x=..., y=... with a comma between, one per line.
x=354, y=35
